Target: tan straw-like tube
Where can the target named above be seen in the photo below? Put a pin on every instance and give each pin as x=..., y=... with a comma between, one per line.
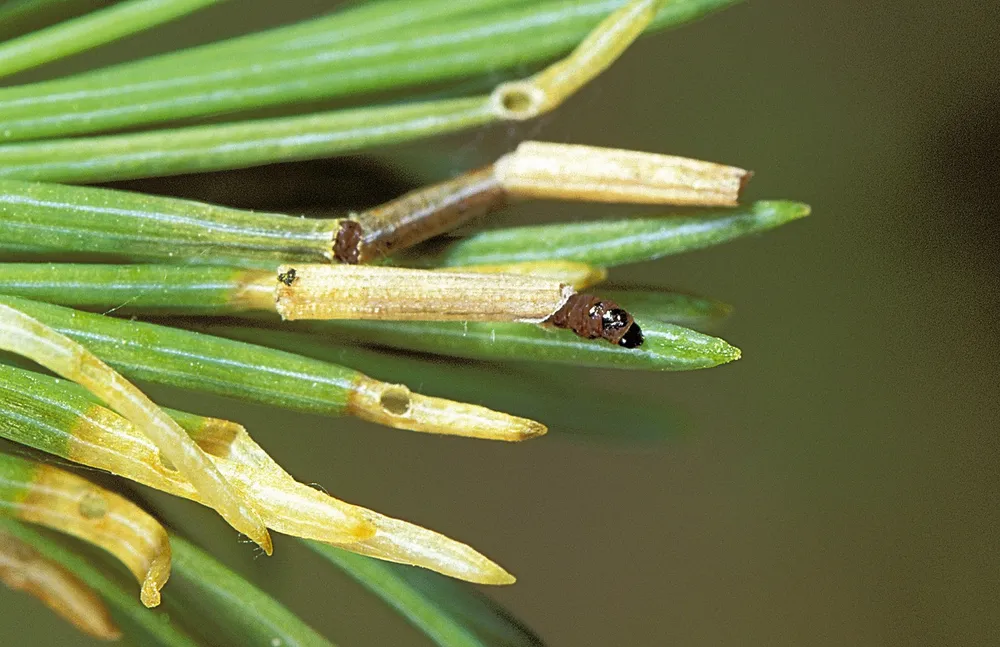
x=573, y=172
x=399, y=294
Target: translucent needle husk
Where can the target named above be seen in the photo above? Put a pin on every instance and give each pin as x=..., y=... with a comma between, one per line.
x=105, y=440
x=22, y=568
x=58, y=417
x=52, y=497
x=355, y=292
x=26, y=336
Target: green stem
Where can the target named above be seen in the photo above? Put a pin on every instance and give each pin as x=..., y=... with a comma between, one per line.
x=607, y=243
x=237, y=611
x=147, y=289
x=57, y=218
x=666, y=347
x=189, y=360
x=142, y=625
x=358, y=23
x=147, y=92
x=91, y=30
x=238, y=145
x=384, y=580
x=43, y=412
x=538, y=393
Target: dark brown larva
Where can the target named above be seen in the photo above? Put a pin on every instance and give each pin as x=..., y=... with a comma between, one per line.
x=590, y=317
x=417, y=216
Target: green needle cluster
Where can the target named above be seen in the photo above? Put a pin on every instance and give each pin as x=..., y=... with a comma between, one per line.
x=155, y=286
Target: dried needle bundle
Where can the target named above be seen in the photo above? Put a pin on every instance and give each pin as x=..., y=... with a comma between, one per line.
x=89, y=434
x=26, y=336
x=65, y=502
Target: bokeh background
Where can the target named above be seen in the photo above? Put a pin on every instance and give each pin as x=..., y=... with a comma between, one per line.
x=836, y=486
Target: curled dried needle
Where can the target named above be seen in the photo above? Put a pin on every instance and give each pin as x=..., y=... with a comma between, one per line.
x=26, y=336
x=22, y=568
x=296, y=509
x=105, y=440
x=52, y=497
x=88, y=433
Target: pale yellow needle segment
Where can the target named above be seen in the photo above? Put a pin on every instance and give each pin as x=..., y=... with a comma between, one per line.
x=401, y=294
x=528, y=98
x=406, y=543
x=75, y=506
x=26, y=336
x=573, y=172
x=22, y=568
x=105, y=440
x=394, y=405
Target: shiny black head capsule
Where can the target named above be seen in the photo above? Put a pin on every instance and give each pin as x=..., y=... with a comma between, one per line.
x=615, y=319
x=632, y=338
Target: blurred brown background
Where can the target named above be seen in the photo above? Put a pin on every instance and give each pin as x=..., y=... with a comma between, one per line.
x=838, y=485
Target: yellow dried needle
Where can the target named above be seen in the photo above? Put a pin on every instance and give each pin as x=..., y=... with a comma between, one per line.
x=394, y=405
x=70, y=504
x=22, y=568
x=406, y=543
x=105, y=440
x=401, y=294
x=573, y=172
x=26, y=336
x=578, y=275
x=528, y=98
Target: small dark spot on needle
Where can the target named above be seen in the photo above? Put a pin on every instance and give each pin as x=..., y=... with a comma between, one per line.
x=287, y=277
